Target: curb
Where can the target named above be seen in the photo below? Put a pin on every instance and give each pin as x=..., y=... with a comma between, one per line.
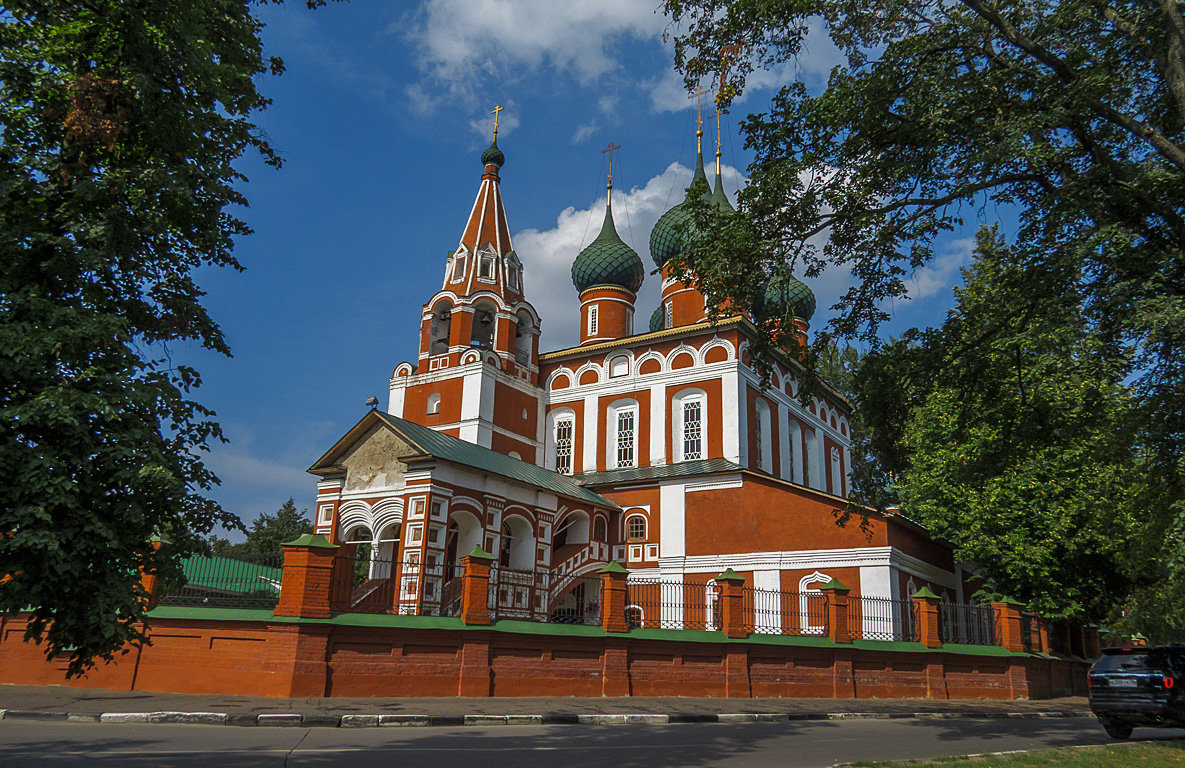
x=327, y=720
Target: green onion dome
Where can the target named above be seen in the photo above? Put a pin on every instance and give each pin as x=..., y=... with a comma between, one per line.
x=608, y=261
x=666, y=239
x=788, y=291
x=493, y=155
x=656, y=319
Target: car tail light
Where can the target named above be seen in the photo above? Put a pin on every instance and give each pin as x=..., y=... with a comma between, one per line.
x=1168, y=681
x=1089, y=682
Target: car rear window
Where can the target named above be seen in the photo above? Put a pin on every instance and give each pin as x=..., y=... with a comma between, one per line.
x=1130, y=662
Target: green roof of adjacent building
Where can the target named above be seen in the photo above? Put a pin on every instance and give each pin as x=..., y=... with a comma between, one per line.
x=607, y=260
x=656, y=319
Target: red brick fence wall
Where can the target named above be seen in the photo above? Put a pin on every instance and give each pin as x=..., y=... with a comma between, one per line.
x=198, y=651
x=307, y=648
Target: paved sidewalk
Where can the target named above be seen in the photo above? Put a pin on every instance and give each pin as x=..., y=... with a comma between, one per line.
x=60, y=702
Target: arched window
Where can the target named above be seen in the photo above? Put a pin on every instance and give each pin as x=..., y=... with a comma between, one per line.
x=514, y=271
x=634, y=617
x=592, y=320
x=812, y=606
x=668, y=316
x=442, y=315
x=689, y=418
x=623, y=433
x=434, y=403
x=763, y=438
x=619, y=366
x=483, y=323
x=561, y=441
x=524, y=335
x=599, y=529
x=794, y=451
x=836, y=473
x=635, y=528
x=486, y=269
x=459, y=263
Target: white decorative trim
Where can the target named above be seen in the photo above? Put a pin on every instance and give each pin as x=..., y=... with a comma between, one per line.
x=716, y=484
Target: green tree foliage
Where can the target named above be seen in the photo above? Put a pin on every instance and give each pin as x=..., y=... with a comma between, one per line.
x=119, y=124
x=268, y=532
x=1018, y=441
x=1067, y=114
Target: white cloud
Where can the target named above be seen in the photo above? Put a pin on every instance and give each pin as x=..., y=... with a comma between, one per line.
x=943, y=271
x=548, y=254
x=462, y=42
x=583, y=132
x=507, y=121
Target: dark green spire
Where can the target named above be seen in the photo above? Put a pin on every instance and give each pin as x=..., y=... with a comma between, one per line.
x=718, y=198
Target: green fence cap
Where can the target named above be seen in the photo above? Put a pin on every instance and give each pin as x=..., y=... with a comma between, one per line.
x=310, y=540
x=480, y=553
x=730, y=575
x=613, y=567
x=925, y=592
x=834, y=584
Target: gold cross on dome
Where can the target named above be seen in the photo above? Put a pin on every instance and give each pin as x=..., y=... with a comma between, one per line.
x=497, y=108
x=610, y=149
x=717, y=115
x=699, y=113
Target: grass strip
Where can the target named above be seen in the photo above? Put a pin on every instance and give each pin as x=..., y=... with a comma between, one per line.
x=1148, y=754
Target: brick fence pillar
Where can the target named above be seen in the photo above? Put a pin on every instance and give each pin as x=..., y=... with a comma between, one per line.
x=475, y=587
x=1011, y=624
x=1094, y=646
x=926, y=604
x=613, y=596
x=1043, y=634
x=308, y=573
x=732, y=618
x=150, y=581
x=837, y=611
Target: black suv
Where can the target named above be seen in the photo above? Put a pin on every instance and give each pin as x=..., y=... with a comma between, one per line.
x=1138, y=686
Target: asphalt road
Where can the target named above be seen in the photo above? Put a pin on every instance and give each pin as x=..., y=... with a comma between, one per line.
x=802, y=744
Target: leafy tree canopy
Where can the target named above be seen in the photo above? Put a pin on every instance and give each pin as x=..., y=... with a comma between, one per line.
x=268, y=532
x=119, y=124
x=1019, y=441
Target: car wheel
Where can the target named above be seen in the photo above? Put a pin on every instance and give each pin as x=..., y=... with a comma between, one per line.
x=1118, y=730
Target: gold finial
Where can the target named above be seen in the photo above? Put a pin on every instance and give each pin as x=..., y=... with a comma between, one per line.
x=497, y=108
x=610, y=149
x=699, y=117
x=717, y=115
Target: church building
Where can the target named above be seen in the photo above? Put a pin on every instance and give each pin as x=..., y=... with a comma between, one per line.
x=655, y=447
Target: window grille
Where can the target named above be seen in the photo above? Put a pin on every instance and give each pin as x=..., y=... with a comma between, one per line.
x=592, y=320
x=625, y=438
x=693, y=430
x=757, y=438
x=563, y=446
x=635, y=528
x=668, y=319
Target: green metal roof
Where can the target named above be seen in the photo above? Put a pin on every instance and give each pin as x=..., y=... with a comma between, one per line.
x=681, y=469
x=718, y=197
x=607, y=260
x=229, y=574
x=656, y=319
x=458, y=451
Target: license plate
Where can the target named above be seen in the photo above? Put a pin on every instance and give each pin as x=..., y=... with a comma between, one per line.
x=1123, y=683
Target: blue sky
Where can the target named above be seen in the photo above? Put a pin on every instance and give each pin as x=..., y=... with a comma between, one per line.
x=380, y=119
